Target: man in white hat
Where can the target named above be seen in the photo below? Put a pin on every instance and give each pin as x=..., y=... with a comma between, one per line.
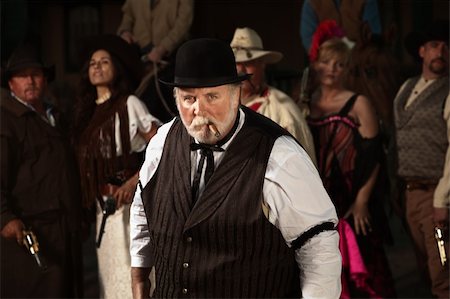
x=251, y=58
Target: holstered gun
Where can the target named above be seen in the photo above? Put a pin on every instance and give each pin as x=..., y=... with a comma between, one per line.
x=31, y=243
x=439, y=236
x=109, y=208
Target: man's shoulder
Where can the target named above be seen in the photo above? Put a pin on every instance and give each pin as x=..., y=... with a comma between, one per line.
x=277, y=93
x=281, y=98
x=263, y=124
x=284, y=104
x=10, y=106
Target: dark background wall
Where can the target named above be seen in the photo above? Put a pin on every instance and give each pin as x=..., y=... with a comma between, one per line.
x=57, y=24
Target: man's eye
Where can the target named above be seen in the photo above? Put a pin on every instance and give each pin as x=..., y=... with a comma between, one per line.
x=189, y=99
x=212, y=97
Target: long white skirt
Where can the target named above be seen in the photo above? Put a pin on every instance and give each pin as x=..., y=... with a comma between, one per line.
x=114, y=262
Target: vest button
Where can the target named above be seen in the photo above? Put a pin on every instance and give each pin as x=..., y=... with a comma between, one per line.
x=189, y=239
x=184, y=291
x=185, y=265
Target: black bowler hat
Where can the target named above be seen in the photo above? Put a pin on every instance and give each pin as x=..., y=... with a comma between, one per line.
x=205, y=62
x=438, y=31
x=25, y=56
x=127, y=54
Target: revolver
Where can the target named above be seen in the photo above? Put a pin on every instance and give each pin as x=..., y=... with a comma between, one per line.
x=109, y=208
x=31, y=243
x=439, y=236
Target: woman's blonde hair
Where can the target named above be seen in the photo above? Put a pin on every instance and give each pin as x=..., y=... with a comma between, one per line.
x=334, y=48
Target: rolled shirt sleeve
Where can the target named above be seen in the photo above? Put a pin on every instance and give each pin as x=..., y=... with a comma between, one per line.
x=442, y=192
x=297, y=202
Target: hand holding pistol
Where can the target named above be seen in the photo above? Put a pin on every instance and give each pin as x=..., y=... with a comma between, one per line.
x=439, y=236
x=31, y=243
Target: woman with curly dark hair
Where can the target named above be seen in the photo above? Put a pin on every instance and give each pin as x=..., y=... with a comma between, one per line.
x=111, y=130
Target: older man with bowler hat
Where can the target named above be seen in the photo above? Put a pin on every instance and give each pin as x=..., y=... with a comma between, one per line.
x=422, y=123
x=229, y=204
x=267, y=100
x=39, y=188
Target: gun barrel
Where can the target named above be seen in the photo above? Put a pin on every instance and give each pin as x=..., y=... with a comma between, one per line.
x=31, y=243
x=439, y=236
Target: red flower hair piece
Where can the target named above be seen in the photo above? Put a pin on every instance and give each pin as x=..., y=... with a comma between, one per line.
x=327, y=29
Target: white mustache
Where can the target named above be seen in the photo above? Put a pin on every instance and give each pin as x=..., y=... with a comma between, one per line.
x=199, y=121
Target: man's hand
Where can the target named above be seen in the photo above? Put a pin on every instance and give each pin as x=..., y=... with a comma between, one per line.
x=156, y=54
x=127, y=36
x=441, y=217
x=14, y=230
x=140, y=283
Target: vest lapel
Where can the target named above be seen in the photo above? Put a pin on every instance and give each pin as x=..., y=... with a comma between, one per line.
x=402, y=116
x=182, y=172
x=428, y=91
x=405, y=115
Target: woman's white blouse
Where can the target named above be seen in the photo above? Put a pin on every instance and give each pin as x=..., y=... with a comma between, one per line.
x=139, y=119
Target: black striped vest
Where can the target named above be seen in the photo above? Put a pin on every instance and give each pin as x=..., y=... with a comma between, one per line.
x=223, y=246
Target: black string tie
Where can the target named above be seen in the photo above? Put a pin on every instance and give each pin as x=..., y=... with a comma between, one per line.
x=206, y=151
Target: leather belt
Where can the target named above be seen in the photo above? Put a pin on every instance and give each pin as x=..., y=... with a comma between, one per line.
x=108, y=189
x=419, y=184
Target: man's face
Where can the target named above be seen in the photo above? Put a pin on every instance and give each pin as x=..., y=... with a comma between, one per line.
x=28, y=85
x=253, y=85
x=200, y=107
x=435, y=57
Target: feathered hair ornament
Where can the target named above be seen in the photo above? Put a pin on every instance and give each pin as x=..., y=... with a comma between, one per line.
x=326, y=30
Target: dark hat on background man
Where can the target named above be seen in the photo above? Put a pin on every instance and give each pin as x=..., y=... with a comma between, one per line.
x=25, y=56
x=127, y=54
x=438, y=30
x=205, y=62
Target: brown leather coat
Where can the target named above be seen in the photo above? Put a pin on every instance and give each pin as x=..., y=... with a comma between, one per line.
x=40, y=186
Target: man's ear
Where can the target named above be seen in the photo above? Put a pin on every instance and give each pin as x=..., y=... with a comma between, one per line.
x=421, y=51
x=237, y=91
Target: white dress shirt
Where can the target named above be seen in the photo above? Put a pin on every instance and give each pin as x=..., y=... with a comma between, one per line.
x=295, y=200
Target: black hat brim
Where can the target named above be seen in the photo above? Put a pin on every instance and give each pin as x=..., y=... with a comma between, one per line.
x=438, y=30
x=6, y=74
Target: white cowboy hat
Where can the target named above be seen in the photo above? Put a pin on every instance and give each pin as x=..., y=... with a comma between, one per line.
x=247, y=45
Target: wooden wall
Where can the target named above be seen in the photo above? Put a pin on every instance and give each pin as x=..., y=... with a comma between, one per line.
x=277, y=21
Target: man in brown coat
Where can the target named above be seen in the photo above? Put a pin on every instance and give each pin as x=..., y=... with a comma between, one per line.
x=39, y=188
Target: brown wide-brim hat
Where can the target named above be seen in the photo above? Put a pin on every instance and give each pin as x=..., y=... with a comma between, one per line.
x=204, y=62
x=126, y=53
x=436, y=31
x=23, y=57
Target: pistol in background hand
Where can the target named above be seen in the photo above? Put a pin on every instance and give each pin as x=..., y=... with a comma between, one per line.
x=31, y=243
x=439, y=236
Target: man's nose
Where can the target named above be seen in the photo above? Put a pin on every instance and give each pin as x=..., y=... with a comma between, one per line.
x=240, y=68
x=199, y=107
x=30, y=78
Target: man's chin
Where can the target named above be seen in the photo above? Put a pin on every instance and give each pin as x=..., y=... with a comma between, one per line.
x=203, y=136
